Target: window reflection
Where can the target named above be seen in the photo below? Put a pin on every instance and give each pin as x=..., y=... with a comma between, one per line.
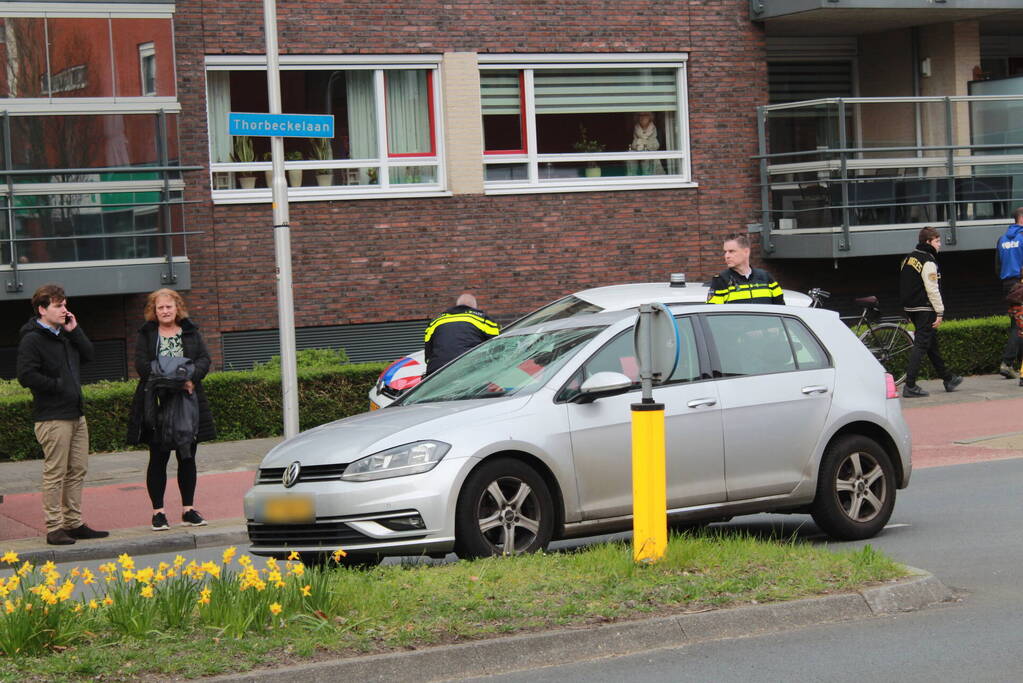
x=79, y=58
x=85, y=141
x=23, y=62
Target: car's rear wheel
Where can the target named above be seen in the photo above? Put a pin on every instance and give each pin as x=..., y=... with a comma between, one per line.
x=504, y=508
x=855, y=489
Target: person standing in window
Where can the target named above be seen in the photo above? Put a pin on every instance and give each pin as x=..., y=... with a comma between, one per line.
x=50, y=352
x=920, y=292
x=169, y=332
x=740, y=283
x=644, y=139
x=455, y=331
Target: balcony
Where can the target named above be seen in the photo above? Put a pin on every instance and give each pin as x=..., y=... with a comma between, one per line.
x=860, y=176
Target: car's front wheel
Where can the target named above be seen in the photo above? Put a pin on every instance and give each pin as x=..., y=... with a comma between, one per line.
x=855, y=489
x=504, y=508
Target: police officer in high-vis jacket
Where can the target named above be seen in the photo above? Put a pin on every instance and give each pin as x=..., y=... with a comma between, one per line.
x=740, y=283
x=455, y=331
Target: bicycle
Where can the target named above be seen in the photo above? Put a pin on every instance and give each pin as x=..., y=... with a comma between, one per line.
x=885, y=337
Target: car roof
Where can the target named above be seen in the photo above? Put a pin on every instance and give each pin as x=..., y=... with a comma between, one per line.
x=618, y=297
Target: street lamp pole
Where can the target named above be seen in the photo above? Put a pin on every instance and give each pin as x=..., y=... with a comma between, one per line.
x=282, y=231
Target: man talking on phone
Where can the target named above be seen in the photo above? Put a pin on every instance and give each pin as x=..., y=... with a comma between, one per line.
x=51, y=349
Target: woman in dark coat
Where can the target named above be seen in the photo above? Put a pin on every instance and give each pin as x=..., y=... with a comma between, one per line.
x=169, y=332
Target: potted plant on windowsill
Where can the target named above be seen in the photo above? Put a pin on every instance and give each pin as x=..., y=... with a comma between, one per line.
x=243, y=154
x=294, y=174
x=587, y=145
x=322, y=152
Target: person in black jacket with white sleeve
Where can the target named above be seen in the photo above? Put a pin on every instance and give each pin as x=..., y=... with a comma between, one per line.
x=169, y=332
x=920, y=293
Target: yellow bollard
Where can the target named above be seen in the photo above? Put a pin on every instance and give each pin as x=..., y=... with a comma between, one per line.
x=649, y=486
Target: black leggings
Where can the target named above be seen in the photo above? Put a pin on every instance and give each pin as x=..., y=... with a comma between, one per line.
x=156, y=476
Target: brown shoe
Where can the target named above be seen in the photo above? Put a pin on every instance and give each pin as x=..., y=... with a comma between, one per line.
x=59, y=537
x=85, y=532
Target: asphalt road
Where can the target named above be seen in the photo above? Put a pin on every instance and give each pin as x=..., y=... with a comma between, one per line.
x=963, y=523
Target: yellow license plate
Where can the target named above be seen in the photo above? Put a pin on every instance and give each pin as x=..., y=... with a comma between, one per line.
x=289, y=510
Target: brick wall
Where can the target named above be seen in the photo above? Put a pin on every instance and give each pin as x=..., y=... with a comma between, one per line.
x=400, y=259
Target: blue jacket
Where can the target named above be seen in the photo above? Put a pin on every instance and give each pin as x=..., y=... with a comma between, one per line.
x=1009, y=253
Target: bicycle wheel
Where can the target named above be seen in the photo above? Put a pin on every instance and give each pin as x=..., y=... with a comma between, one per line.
x=891, y=345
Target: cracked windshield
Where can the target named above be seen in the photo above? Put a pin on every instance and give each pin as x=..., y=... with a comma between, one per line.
x=513, y=364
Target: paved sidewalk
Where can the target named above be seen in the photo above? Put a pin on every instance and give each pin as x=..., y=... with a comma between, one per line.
x=980, y=421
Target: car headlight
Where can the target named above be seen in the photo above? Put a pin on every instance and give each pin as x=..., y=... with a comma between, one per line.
x=412, y=458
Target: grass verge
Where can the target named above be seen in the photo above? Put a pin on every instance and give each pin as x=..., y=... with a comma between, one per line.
x=410, y=606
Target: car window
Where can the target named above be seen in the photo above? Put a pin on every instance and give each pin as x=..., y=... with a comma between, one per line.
x=619, y=355
x=751, y=344
x=556, y=310
x=810, y=355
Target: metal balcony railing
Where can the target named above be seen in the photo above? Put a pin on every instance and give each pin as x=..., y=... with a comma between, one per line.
x=838, y=167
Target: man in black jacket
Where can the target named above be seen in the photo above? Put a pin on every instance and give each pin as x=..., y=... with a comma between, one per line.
x=455, y=331
x=741, y=283
x=920, y=293
x=50, y=351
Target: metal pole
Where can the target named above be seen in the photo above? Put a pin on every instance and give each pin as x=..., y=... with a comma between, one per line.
x=282, y=232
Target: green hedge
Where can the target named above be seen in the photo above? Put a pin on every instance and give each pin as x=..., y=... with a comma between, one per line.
x=245, y=405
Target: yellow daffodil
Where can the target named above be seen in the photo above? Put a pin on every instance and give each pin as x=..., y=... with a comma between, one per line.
x=88, y=577
x=160, y=576
x=162, y=567
x=274, y=576
x=108, y=568
x=178, y=561
x=65, y=591
x=76, y=572
x=126, y=561
x=147, y=591
x=48, y=566
x=338, y=554
x=245, y=560
x=276, y=608
x=52, y=578
x=298, y=569
x=10, y=557
x=293, y=555
x=144, y=575
x=307, y=591
x=25, y=568
x=271, y=564
x=127, y=575
x=211, y=568
x=9, y=606
x=229, y=555
x=108, y=601
x=171, y=573
x=28, y=606
x=93, y=604
x=78, y=607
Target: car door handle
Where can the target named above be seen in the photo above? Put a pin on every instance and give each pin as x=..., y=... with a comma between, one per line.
x=815, y=389
x=697, y=402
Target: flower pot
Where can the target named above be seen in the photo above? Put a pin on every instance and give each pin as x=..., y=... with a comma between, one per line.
x=324, y=179
x=294, y=177
x=247, y=182
x=269, y=175
x=592, y=171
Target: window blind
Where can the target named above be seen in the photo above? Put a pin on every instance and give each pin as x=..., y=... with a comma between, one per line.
x=499, y=92
x=571, y=91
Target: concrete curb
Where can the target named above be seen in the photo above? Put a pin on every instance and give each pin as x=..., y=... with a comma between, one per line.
x=140, y=541
x=537, y=650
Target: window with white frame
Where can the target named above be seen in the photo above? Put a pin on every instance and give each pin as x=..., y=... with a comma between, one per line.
x=386, y=120
x=147, y=68
x=584, y=121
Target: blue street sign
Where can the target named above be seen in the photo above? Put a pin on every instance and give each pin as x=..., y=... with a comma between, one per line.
x=282, y=125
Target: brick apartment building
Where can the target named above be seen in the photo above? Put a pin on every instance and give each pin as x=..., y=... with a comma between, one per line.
x=489, y=145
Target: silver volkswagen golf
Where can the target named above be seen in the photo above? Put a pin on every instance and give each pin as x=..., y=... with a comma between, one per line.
x=526, y=439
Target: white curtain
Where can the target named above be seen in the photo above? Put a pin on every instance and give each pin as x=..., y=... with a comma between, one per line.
x=408, y=112
x=362, y=137
x=218, y=99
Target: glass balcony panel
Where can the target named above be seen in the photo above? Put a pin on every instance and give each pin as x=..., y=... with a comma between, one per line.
x=128, y=34
x=79, y=56
x=87, y=141
x=413, y=175
x=507, y=172
x=25, y=76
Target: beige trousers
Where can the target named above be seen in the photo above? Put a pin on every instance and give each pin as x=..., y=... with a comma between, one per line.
x=65, y=459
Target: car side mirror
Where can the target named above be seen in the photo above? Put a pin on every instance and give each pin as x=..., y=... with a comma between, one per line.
x=603, y=384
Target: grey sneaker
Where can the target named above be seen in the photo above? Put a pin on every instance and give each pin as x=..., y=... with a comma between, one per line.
x=192, y=518
x=160, y=522
x=914, y=391
x=1007, y=371
x=952, y=382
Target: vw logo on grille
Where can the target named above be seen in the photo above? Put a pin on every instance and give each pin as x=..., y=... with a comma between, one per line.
x=290, y=477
